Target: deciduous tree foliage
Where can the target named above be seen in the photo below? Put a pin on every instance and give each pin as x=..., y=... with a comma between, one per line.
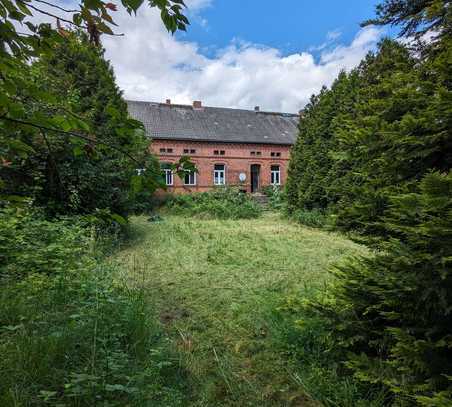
x=65, y=138
x=375, y=151
x=17, y=47
x=80, y=177
x=65, y=173
x=72, y=105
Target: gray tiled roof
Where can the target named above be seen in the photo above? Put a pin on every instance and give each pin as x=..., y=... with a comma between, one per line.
x=181, y=122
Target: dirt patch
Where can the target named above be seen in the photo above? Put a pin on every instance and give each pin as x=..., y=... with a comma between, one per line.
x=168, y=316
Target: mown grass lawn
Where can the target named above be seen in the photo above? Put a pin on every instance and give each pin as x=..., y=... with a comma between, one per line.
x=214, y=285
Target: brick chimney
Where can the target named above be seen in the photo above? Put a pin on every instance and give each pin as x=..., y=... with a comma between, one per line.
x=168, y=101
x=197, y=104
x=257, y=109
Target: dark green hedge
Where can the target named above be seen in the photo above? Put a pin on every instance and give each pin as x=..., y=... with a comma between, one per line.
x=375, y=133
x=375, y=152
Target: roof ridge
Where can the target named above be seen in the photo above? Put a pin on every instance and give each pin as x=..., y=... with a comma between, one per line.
x=286, y=114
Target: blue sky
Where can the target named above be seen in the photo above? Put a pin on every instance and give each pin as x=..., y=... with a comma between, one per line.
x=272, y=54
x=241, y=53
x=288, y=25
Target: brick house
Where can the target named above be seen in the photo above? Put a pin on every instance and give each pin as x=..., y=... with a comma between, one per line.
x=244, y=148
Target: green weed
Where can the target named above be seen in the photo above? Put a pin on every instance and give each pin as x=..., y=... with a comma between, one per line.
x=276, y=197
x=221, y=203
x=71, y=333
x=317, y=365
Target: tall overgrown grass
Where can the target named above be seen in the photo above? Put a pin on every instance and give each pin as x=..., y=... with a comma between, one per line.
x=315, y=218
x=221, y=203
x=307, y=343
x=226, y=289
x=70, y=333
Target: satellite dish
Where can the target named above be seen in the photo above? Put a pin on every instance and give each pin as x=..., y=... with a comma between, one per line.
x=242, y=177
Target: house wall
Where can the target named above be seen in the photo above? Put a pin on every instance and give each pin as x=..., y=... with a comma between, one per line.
x=237, y=158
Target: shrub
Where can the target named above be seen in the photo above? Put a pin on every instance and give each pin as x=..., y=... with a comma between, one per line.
x=31, y=244
x=315, y=218
x=70, y=334
x=276, y=196
x=221, y=203
x=306, y=340
x=391, y=313
x=146, y=202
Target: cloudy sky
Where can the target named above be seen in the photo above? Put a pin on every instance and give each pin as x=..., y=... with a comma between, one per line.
x=241, y=53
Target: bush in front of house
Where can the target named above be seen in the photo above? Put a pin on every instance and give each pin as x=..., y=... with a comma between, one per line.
x=220, y=203
x=276, y=196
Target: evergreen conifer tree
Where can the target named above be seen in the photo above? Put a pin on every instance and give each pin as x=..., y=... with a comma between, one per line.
x=392, y=313
x=386, y=170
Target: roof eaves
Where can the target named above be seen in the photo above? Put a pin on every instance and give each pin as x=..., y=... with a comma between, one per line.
x=205, y=140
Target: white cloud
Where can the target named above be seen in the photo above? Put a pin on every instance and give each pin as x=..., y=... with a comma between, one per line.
x=197, y=4
x=152, y=65
x=331, y=40
x=333, y=35
x=193, y=12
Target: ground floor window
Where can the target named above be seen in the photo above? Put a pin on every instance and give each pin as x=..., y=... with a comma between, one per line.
x=168, y=173
x=219, y=174
x=190, y=178
x=275, y=175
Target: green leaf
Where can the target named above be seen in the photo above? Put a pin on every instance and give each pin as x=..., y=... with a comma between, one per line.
x=119, y=219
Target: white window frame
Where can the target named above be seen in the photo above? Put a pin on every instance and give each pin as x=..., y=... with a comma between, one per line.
x=275, y=177
x=219, y=175
x=169, y=177
x=188, y=173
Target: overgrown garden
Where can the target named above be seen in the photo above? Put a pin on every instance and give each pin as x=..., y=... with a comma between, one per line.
x=233, y=304
x=70, y=333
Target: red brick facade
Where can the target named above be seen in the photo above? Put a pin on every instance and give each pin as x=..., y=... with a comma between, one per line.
x=237, y=158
